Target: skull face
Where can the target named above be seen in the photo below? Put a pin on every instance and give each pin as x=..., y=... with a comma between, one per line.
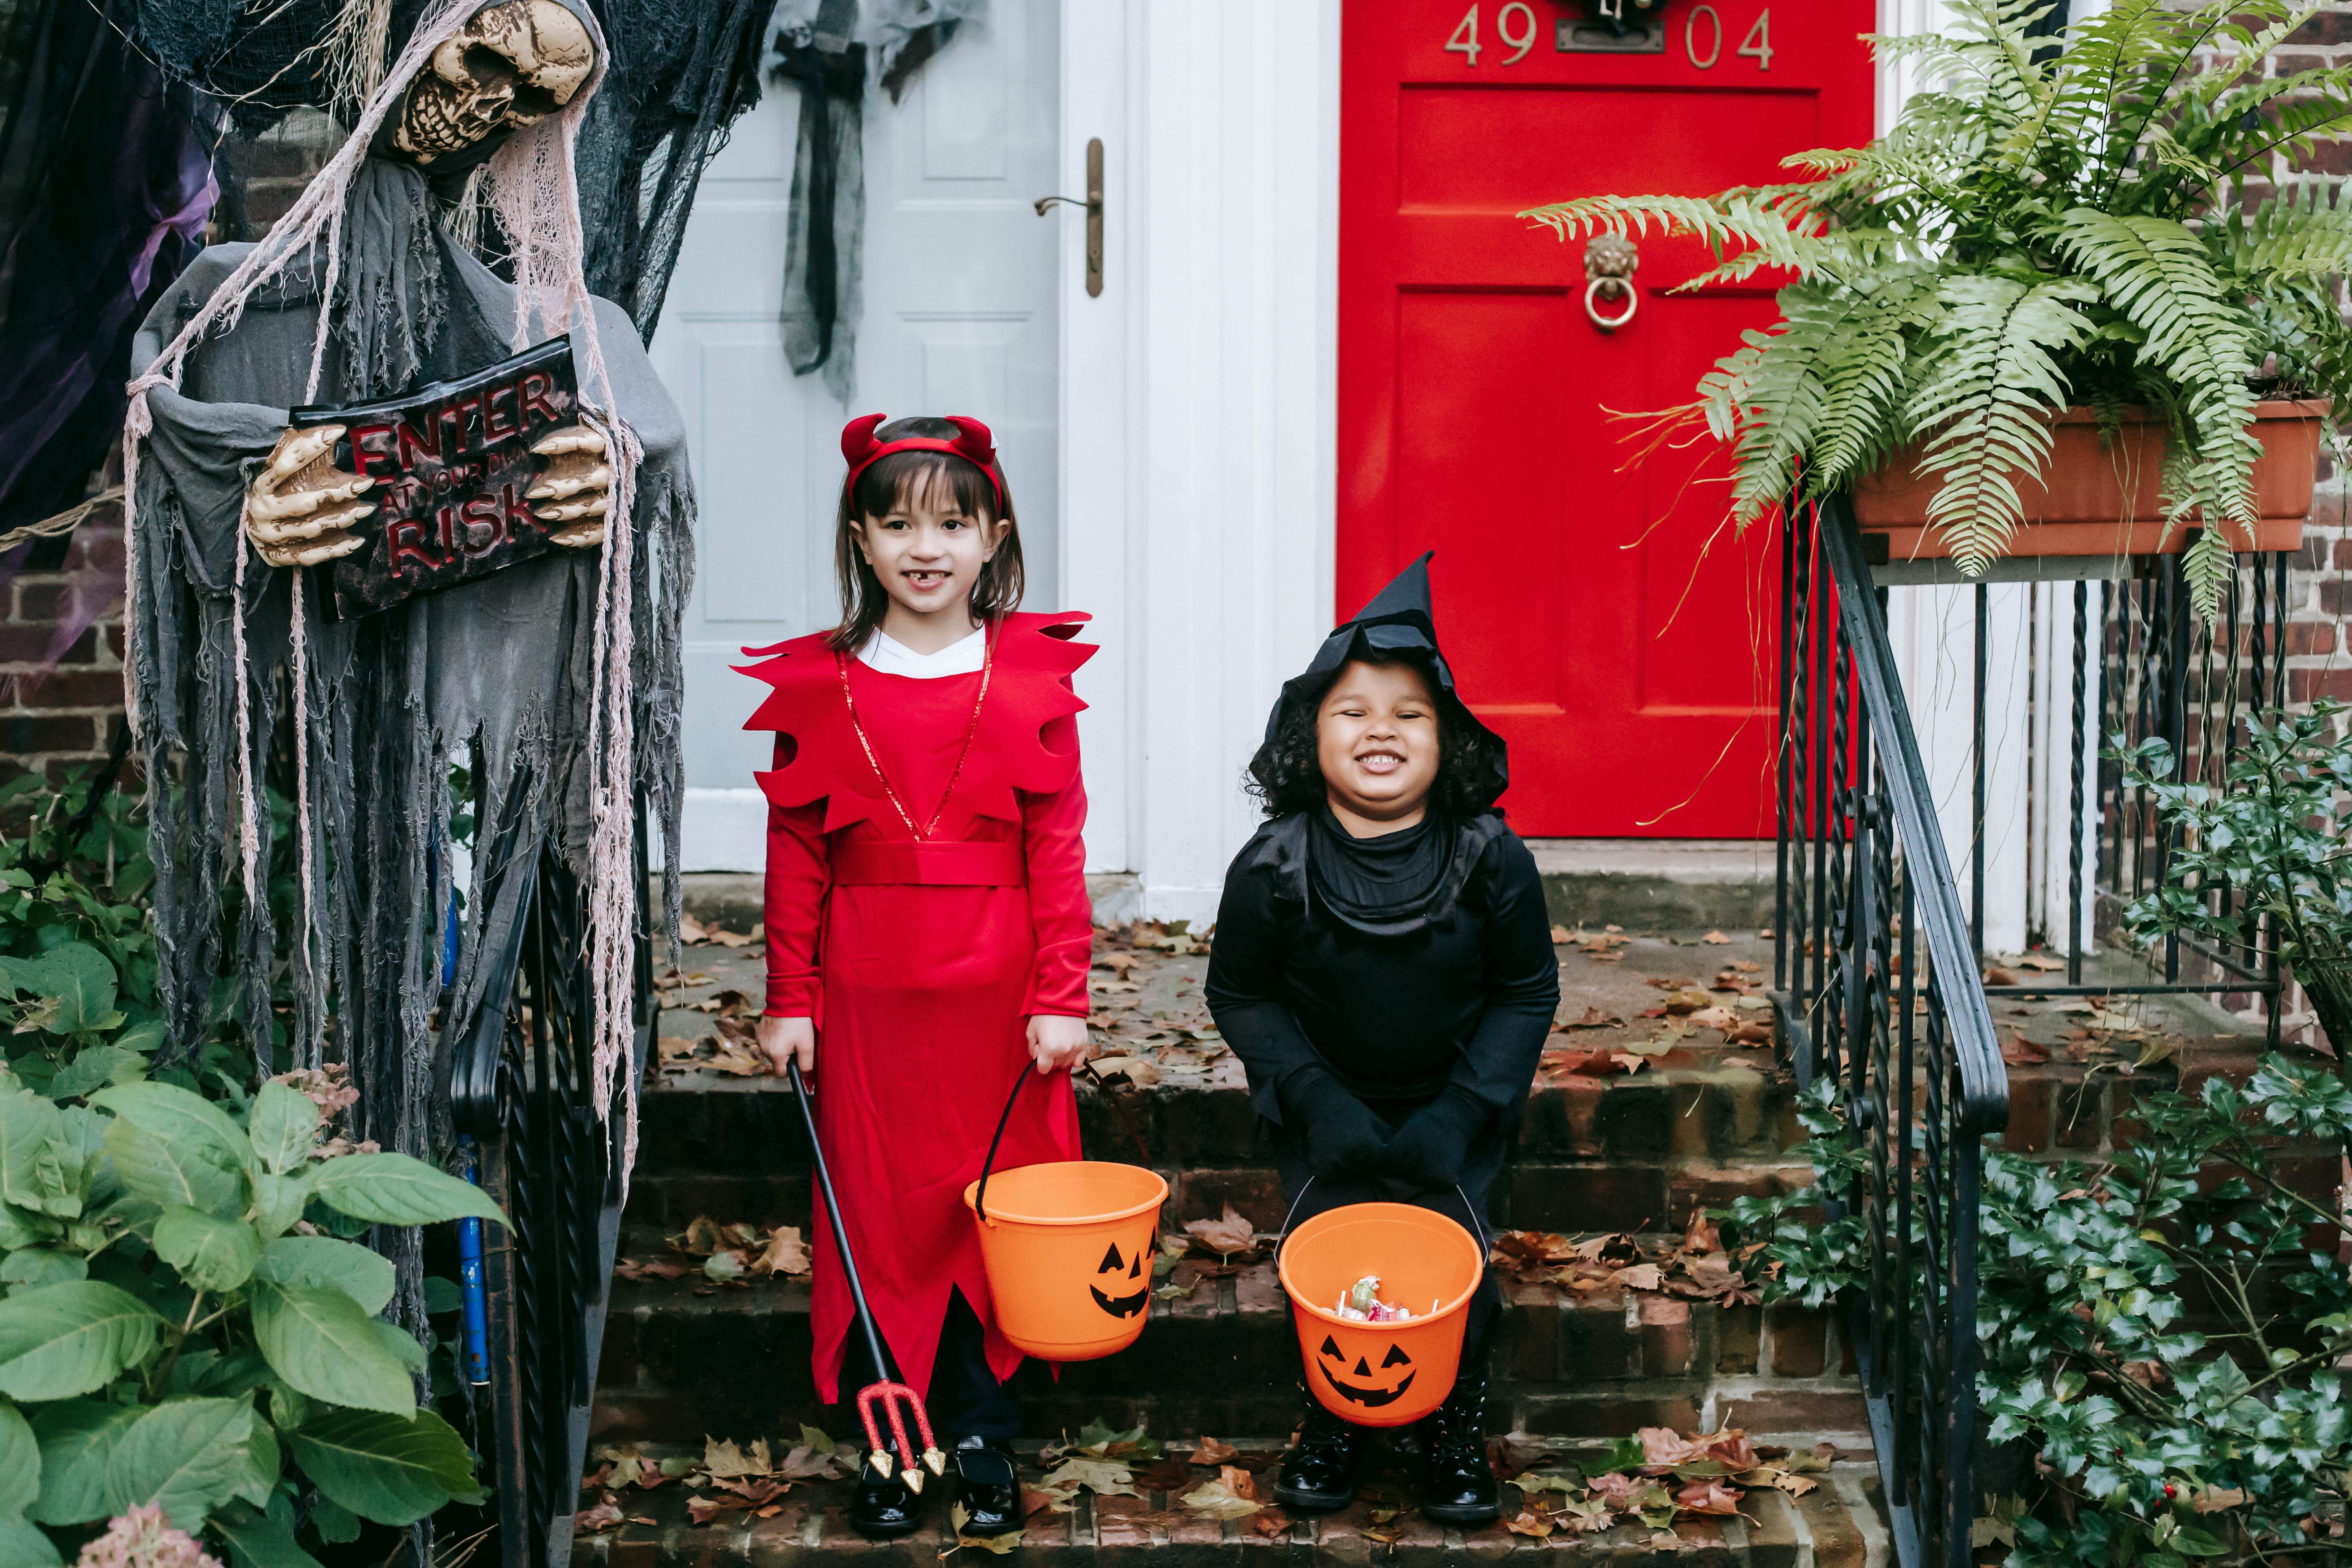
x=514, y=64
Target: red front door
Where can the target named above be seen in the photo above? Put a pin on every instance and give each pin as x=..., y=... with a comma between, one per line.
x=1598, y=612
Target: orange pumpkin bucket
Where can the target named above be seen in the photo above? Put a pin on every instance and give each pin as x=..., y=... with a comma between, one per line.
x=1069, y=1249
x=1381, y=1374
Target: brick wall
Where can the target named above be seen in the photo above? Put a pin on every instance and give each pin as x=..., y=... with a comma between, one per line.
x=61, y=689
x=60, y=673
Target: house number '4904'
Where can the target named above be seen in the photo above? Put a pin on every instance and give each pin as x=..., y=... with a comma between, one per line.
x=1514, y=26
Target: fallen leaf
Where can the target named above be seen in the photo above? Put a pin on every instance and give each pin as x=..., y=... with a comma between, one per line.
x=2040, y=961
x=1640, y=1277
x=814, y=1458
x=1530, y=1523
x=1134, y=1070
x=1220, y=1499
x=1209, y=1451
x=1664, y=1540
x=651, y=1268
x=689, y=929
x=2020, y=1052
x=1701, y=1234
x=1561, y=936
x=1708, y=1497
x=1997, y=975
x=1752, y=1034
x=1227, y=1235
x=1809, y=1461
x=1632, y=1064
x=1270, y=1523
x=603, y=1516
x=2154, y=1051
x=676, y=1048
x=725, y=1461
x=1594, y=1018
x=1722, y=1018
x=2213, y=1499
x=725, y=937
x=784, y=1253
x=1104, y=1478
x=998, y=1545
x=1716, y=939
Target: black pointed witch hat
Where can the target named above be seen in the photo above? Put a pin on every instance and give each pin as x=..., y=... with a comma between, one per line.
x=1395, y=623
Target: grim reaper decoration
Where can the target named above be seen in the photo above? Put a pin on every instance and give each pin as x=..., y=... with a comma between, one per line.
x=555, y=680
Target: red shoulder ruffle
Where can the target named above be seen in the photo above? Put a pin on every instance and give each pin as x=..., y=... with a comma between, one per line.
x=1035, y=656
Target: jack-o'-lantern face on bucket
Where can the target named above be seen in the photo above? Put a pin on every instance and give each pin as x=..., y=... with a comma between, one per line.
x=1119, y=1271
x=1359, y=1383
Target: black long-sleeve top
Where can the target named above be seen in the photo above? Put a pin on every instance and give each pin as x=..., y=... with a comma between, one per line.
x=1467, y=999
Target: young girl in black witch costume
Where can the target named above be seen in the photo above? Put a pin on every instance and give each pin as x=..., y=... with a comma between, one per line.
x=1384, y=969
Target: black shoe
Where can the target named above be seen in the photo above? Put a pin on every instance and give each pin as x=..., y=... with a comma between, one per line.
x=988, y=1486
x=883, y=1506
x=1318, y=1474
x=1457, y=1484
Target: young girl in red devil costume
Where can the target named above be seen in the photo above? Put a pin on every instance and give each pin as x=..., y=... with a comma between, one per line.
x=928, y=926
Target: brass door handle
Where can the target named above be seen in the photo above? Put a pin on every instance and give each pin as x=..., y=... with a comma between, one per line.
x=1609, y=261
x=1094, y=205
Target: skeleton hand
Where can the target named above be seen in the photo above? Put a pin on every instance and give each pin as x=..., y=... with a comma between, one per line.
x=299, y=508
x=574, y=487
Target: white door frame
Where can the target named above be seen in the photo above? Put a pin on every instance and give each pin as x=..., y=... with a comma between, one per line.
x=1199, y=390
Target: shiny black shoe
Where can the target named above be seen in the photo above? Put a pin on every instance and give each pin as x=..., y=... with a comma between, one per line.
x=1318, y=1474
x=987, y=1485
x=882, y=1507
x=1457, y=1484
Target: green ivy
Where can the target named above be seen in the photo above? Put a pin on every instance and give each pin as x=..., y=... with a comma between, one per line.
x=186, y=1318
x=2158, y=1441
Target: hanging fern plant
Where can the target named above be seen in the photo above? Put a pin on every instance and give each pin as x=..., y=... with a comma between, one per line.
x=2070, y=227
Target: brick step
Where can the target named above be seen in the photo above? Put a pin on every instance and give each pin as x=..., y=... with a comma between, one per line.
x=1617, y=1153
x=1841, y=1523
x=683, y=1360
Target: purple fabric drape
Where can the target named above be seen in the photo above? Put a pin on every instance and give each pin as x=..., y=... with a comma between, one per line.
x=105, y=186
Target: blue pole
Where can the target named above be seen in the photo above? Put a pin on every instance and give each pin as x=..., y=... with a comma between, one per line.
x=470, y=1280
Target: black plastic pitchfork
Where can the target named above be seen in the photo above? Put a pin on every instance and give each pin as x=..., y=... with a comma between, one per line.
x=888, y=1391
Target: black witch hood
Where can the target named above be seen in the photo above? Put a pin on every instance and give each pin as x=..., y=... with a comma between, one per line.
x=1398, y=884
x=555, y=682
x=1395, y=623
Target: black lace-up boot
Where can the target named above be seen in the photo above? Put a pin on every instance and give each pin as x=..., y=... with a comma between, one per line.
x=1457, y=1485
x=882, y=1507
x=988, y=1485
x=1318, y=1474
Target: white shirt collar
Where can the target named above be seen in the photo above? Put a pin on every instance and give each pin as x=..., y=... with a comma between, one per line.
x=890, y=657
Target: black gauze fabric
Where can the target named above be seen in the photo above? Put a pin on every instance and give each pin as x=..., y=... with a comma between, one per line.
x=1380, y=885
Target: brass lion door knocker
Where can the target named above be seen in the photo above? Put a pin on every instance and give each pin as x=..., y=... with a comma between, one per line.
x=1609, y=263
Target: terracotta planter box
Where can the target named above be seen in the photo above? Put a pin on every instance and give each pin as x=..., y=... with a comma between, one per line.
x=2101, y=500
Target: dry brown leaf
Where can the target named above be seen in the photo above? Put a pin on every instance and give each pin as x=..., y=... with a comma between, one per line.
x=1561, y=936
x=676, y=1048
x=1701, y=1235
x=1722, y=1018
x=603, y=1516
x=1270, y=1523
x=1209, y=1451
x=1538, y=1526
x=2213, y=1499
x=1631, y=1063
x=1134, y=1070
x=1716, y=939
x=725, y=937
x=1595, y=1018
x=1708, y=1496
x=1220, y=1500
x=2040, y=961
x=1997, y=975
x=1640, y=1277
x=1229, y=1236
x=784, y=1253
x=1794, y=1485
x=725, y=1461
x=2020, y=1052
x=651, y=1268
x=689, y=929
x=1751, y=1033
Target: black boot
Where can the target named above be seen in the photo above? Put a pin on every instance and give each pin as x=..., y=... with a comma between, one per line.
x=883, y=1506
x=1457, y=1485
x=1319, y=1473
x=988, y=1485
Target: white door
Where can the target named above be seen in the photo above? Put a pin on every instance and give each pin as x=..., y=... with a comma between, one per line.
x=961, y=279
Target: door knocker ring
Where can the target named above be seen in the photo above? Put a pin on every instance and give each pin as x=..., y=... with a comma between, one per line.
x=1610, y=260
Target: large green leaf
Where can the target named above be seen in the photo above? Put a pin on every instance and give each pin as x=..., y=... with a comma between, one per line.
x=38, y=1266
x=393, y=1189
x=283, y=1127
x=324, y=1263
x=321, y=1342
x=77, y=1437
x=382, y=1467
x=277, y=1202
x=164, y=1171
x=263, y=1463
x=34, y=1163
x=23, y=1545
x=65, y=1339
x=74, y=978
x=257, y=1540
x=20, y=1462
x=187, y=1456
x=211, y=1253
x=178, y=1117
x=93, y=1068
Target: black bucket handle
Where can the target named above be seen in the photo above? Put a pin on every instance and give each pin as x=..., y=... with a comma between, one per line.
x=980, y=1197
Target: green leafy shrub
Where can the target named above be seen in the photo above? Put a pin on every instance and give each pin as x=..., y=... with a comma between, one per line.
x=178, y=1326
x=2158, y=1439
x=2277, y=831
x=2045, y=226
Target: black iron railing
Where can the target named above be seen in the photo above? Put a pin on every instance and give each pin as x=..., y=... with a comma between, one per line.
x=523, y=1089
x=1877, y=992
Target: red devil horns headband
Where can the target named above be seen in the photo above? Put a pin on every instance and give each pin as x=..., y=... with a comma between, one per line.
x=972, y=442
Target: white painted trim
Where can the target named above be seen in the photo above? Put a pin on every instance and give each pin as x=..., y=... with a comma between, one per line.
x=1201, y=409
x=721, y=830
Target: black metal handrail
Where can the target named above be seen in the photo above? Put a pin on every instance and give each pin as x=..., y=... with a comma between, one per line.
x=523, y=1086
x=1877, y=991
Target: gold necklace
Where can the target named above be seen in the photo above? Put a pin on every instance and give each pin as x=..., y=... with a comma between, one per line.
x=987, y=666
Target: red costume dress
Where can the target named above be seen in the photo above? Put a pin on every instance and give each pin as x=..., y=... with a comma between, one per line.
x=921, y=957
